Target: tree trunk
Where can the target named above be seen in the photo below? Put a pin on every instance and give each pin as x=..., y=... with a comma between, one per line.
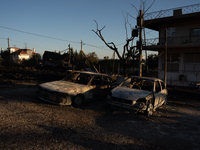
x=125, y=67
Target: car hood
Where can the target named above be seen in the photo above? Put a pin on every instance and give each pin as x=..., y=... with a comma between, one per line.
x=65, y=87
x=129, y=93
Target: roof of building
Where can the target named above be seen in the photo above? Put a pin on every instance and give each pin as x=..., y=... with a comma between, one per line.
x=172, y=20
x=24, y=51
x=13, y=48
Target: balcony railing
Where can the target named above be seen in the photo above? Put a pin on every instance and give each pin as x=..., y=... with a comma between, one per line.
x=169, y=12
x=182, y=40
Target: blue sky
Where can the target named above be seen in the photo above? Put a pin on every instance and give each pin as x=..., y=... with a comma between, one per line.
x=71, y=21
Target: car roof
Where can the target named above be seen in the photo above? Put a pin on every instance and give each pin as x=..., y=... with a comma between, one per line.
x=89, y=73
x=148, y=78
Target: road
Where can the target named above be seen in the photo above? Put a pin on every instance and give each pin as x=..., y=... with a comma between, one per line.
x=28, y=123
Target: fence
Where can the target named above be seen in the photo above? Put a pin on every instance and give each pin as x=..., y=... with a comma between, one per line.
x=169, y=12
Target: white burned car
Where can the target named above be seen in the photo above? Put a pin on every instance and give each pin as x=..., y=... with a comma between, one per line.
x=139, y=93
x=78, y=87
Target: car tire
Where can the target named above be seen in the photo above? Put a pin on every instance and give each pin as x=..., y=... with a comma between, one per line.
x=78, y=100
x=149, y=110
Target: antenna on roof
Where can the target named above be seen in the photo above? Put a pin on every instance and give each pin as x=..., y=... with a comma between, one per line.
x=25, y=45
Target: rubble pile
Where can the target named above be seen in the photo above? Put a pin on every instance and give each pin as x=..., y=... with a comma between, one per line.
x=31, y=73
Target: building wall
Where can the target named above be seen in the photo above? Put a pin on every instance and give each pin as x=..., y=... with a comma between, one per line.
x=20, y=57
x=182, y=72
x=13, y=49
x=24, y=56
x=180, y=29
x=187, y=68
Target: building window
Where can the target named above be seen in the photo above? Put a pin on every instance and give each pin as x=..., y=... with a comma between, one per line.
x=172, y=62
x=189, y=57
x=197, y=58
x=196, y=32
x=171, y=32
x=195, y=35
x=192, y=62
x=192, y=57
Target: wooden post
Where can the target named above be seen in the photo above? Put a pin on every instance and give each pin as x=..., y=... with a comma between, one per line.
x=119, y=67
x=81, y=45
x=8, y=43
x=90, y=63
x=140, y=23
x=81, y=49
x=114, y=62
x=69, y=54
x=99, y=66
x=165, y=78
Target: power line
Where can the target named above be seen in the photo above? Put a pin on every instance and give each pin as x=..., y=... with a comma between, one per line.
x=96, y=47
x=44, y=36
x=3, y=38
x=50, y=37
x=31, y=44
x=120, y=44
x=39, y=35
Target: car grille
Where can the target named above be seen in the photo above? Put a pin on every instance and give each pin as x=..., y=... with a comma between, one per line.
x=56, y=97
x=122, y=100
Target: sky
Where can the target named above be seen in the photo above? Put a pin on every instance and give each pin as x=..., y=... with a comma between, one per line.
x=51, y=25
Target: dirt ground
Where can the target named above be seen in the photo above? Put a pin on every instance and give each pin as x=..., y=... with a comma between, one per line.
x=28, y=123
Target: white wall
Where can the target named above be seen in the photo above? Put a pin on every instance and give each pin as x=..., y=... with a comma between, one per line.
x=173, y=77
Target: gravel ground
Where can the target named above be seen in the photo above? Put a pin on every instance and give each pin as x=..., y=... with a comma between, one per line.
x=28, y=123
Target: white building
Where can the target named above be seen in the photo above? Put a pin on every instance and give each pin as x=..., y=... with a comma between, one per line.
x=183, y=43
x=20, y=54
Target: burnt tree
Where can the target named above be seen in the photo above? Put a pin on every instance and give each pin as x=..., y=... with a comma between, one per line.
x=127, y=50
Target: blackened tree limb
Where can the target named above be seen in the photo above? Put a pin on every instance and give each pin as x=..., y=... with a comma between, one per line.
x=111, y=45
x=127, y=51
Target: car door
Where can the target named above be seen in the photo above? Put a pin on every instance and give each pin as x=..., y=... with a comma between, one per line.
x=157, y=94
x=97, y=90
x=107, y=85
x=163, y=91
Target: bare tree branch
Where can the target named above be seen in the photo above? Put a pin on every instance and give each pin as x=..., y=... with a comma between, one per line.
x=126, y=48
x=135, y=8
x=144, y=5
x=149, y=6
x=131, y=16
x=125, y=23
x=111, y=45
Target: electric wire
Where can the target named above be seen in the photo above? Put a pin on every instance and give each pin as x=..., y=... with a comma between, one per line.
x=44, y=36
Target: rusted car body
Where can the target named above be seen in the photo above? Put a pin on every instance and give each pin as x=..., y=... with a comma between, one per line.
x=139, y=93
x=76, y=88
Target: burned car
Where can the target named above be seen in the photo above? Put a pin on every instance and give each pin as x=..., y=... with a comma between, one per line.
x=76, y=88
x=139, y=93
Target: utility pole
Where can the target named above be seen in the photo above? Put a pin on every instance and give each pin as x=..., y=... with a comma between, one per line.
x=99, y=67
x=113, y=62
x=165, y=78
x=69, y=53
x=8, y=43
x=81, y=48
x=81, y=45
x=140, y=24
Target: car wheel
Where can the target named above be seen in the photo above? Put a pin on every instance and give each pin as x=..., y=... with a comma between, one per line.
x=149, y=110
x=78, y=100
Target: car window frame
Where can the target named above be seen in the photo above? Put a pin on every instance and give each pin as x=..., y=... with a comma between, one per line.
x=93, y=79
x=162, y=85
x=155, y=90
